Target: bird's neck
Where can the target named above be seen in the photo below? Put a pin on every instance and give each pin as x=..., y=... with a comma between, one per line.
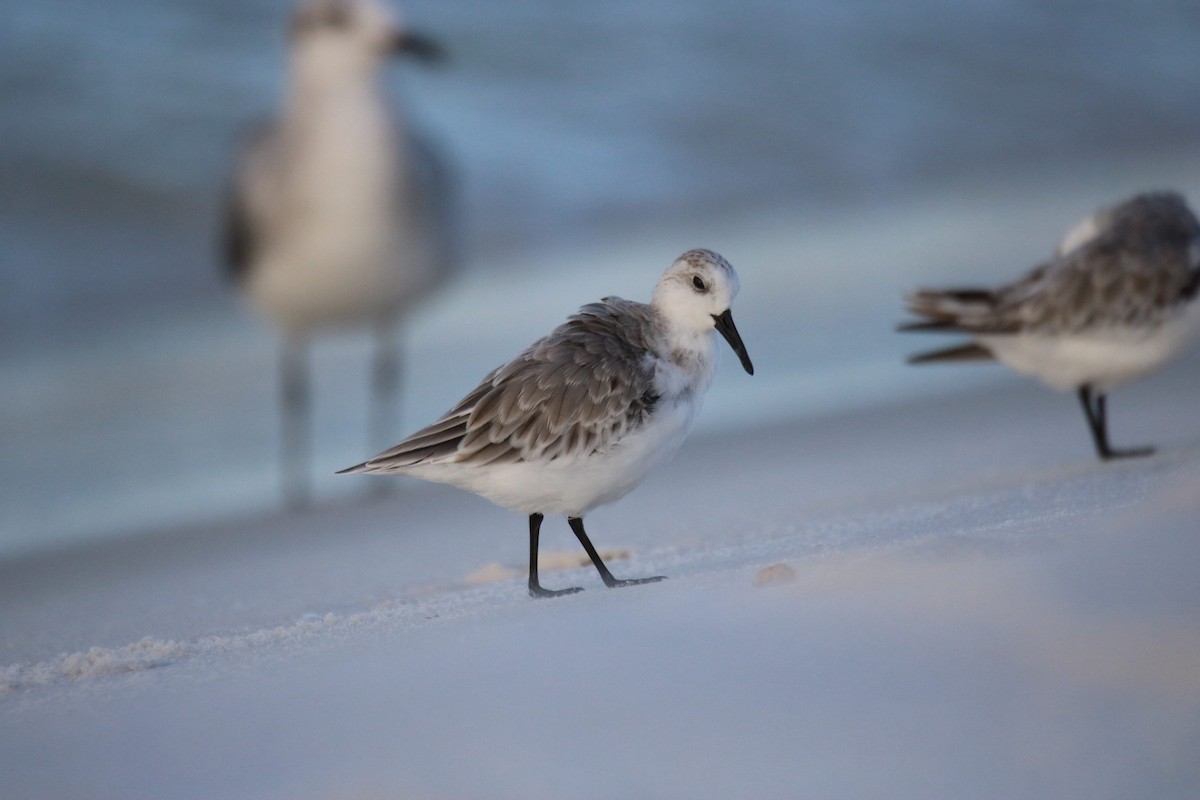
x=341, y=139
x=336, y=109
x=693, y=354
x=319, y=80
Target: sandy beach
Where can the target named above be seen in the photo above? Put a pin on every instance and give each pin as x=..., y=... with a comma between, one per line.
x=948, y=597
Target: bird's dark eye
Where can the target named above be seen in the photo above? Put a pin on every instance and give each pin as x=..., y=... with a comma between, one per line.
x=698, y=282
x=335, y=15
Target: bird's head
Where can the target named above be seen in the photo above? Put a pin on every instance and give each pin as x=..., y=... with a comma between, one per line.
x=695, y=294
x=354, y=36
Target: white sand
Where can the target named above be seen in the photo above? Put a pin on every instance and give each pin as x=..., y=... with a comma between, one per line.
x=975, y=608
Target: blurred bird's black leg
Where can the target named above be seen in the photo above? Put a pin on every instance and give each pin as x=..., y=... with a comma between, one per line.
x=1096, y=409
x=296, y=402
x=1089, y=411
x=576, y=524
x=385, y=391
x=535, y=588
x=1108, y=452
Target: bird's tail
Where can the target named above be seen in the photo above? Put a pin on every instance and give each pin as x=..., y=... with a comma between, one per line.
x=963, y=352
x=948, y=309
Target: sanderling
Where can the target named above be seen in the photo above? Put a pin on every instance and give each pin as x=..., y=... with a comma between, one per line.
x=580, y=417
x=338, y=214
x=1116, y=302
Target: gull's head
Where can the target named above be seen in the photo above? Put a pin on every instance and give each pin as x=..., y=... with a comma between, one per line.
x=353, y=37
x=695, y=294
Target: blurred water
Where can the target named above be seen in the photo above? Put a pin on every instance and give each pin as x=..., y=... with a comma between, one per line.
x=571, y=121
x=132, y=383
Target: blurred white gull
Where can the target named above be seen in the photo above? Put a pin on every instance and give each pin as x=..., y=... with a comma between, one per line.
x=338, y=214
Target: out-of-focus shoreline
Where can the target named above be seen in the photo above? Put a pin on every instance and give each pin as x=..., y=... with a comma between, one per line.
x=167, y=416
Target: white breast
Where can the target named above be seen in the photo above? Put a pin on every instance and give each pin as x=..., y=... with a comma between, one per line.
x=337, y=247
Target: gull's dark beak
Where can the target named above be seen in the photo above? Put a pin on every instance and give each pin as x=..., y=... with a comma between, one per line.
x=724, y=323
x=418, y=45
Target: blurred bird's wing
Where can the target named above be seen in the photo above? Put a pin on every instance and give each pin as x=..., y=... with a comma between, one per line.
x=246, y=202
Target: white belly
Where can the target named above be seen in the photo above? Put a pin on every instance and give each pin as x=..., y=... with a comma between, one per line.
x=334, y=273
x=338, y=242
x=573, y=486
x=1103, y=360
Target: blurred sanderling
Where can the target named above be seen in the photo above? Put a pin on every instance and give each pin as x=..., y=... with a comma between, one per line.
x=580, y=417
x=338, y=214
x=1117, y=301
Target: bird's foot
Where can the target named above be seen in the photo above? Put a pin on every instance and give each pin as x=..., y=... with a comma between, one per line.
x=1132, y=452
x=536, y=590
x=614, y=583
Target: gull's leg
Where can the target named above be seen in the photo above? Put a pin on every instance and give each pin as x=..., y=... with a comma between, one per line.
x=385, y=391
x=296, y=411
x=576, y=524
x=535, y=588
x=385, y=385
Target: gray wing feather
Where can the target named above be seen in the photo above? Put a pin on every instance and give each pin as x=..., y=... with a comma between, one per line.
x=1132, y=272
x=961, y=310
x=241, y=224
x=1137, y=264
x=575, y=391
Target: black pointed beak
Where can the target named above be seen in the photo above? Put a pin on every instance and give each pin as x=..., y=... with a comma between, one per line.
x=418, y=45
x=724, y=323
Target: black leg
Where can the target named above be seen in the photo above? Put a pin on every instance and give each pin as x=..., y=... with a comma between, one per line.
x=385, y=385
x=1096, y=409
x=576, y=524
x=1098, y=436
x=296, y=404
x=1109, y=452
x=535, y=588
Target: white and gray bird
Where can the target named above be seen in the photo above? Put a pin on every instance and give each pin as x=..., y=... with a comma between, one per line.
x=578, y=419
x=1117, y=301
x=339, y=214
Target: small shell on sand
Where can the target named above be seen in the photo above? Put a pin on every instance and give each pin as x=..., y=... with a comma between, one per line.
x=774, y=575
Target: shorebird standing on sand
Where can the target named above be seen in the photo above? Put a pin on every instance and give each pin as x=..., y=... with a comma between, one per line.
x=580, y=417
x=1117, y=301
x=339, y=215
